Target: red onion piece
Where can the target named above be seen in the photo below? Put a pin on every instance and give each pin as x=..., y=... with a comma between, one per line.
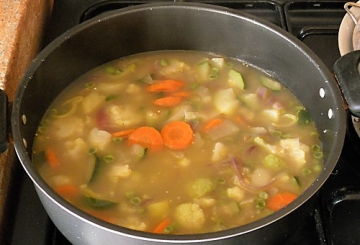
x=237, y=165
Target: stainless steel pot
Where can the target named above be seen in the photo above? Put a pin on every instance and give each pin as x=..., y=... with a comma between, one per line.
x=185, y=26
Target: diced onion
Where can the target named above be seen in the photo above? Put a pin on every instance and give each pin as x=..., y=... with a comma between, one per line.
x=225, y=129
x=289, y=120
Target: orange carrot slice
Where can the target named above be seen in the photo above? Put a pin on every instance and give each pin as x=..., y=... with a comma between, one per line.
x=212, y=124
x=148, y=137
x=51, y=158
x=159, y=229
x=280, y=200
x=166, y=86
x=177, y=135
x=123, y=133
x=183, y=94
x=168, y=101
x=67, y=190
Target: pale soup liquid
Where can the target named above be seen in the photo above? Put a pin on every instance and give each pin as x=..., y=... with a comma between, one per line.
x=177, y=142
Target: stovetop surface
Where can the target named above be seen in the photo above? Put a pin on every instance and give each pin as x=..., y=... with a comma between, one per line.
x=335, y=219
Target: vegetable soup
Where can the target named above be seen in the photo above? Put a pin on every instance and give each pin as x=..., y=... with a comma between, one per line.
x=177, y=142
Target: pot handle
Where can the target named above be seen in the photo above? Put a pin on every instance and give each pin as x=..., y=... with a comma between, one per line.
x=347, y=74
x=3, y=122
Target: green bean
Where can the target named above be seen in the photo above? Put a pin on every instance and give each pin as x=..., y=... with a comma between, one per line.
x=109, y=158
x=135, y=200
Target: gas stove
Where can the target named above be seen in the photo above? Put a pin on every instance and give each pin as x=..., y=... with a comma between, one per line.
x=335, y=218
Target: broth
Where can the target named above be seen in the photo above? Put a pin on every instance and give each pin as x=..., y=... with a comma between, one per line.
x=177, y=142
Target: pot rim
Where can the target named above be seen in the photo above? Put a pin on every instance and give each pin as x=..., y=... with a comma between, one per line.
x=247, y=228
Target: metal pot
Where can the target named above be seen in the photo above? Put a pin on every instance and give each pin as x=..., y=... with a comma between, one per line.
x=184, y=26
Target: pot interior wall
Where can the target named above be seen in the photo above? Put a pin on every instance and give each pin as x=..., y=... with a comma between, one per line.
x=185, y=28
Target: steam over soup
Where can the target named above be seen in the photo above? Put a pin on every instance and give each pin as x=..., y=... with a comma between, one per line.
x=177, y=142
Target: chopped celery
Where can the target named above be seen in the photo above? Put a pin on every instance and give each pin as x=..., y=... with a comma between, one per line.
x=250, y=100
x=113, y=70
x=270, y=83
x=201, y=187
x=303, y=117
x=203, y=71
x=272, y=161
x=232, y=208
x=236, y=80
x=164, y=62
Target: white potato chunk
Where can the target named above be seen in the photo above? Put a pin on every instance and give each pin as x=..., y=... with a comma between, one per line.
x=219, y=152
x=99, y=138
x=225, y=101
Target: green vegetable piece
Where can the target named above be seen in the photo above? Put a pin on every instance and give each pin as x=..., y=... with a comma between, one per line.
x=94, y=200
x=260, y=203
x=135, y=200
x=98, y=203
x=113, y=70
x=303, y=117
x=236, y=79
x=139, y=151
x=169, y=229
x=201, y=187
x=164, y=62
x=272, y=161
x=96, y=168
x=111, y=97
x=89, y=85
x=232, y=208
x=270, y=83
x=203, y=70
x=108, y=158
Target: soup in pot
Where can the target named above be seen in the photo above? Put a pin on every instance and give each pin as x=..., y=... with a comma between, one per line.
x=177, y=142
